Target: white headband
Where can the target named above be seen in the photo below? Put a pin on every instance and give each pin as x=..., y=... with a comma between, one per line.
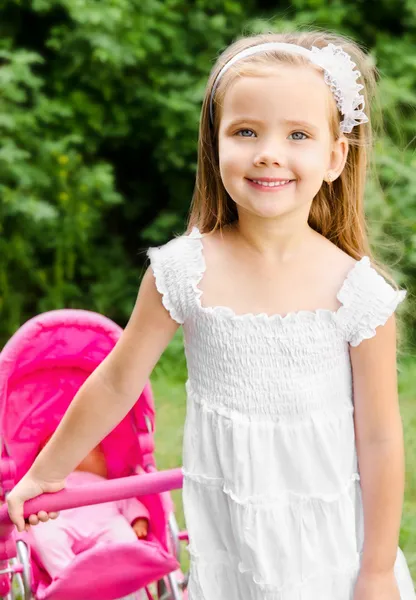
x=339, y=74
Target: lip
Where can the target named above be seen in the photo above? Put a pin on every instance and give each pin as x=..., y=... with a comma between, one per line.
x=269, y=179
x=269, y=189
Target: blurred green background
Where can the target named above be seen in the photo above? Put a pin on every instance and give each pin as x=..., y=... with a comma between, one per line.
x=99, y=109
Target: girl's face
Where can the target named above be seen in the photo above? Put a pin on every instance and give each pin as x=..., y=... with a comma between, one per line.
x=275, y=128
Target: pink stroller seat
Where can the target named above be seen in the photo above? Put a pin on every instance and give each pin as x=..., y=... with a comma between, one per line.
x=41, y=368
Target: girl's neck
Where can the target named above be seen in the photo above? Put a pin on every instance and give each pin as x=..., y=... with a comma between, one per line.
x=274, y=241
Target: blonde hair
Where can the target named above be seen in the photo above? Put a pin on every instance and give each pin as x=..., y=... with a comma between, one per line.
x=337, y=211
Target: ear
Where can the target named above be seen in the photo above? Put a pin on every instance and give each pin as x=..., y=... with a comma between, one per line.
x=338, y=157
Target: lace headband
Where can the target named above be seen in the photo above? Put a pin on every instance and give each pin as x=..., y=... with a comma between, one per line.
x=339, y=74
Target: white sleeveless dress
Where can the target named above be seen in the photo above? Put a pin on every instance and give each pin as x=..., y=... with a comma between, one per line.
x=272, y=494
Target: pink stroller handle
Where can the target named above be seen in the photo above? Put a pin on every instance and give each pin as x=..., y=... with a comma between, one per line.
x=98, y=493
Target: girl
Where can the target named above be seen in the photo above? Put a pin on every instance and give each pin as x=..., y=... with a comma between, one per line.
x=293, y=449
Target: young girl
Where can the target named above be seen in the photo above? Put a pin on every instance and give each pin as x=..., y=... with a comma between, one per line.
x=293, y=448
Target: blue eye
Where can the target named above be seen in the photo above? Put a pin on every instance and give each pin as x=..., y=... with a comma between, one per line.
x=301, y=133
x=244, y=131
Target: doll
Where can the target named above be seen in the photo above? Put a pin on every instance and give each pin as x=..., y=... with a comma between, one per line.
x=59, y=540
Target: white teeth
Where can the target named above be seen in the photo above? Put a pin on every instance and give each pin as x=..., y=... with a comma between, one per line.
x=271, y=183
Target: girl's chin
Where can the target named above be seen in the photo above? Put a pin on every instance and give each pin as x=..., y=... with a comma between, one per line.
x=271, y=212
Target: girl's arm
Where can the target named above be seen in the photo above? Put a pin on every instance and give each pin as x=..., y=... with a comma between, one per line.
x=380, y=450
x=113, y=388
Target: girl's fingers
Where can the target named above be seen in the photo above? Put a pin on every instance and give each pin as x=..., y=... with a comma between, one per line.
x=15, y=508
x=33, y=520
x=42, y=516
x=16, y=516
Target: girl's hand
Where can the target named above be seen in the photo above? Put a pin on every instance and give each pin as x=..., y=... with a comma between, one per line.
x=30, y=487
x=376, y=586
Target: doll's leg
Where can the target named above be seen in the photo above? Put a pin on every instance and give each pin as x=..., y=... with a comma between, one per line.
x=54, y=546
x=118, y=529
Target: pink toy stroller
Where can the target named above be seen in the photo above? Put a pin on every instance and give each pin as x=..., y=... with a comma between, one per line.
x=41, y=368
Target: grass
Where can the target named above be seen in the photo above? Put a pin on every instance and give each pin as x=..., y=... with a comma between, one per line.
x=170, y=402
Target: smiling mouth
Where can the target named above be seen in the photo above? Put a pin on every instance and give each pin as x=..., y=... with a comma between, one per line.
x=269, y=185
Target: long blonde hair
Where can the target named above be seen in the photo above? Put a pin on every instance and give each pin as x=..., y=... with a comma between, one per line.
x=337, y=211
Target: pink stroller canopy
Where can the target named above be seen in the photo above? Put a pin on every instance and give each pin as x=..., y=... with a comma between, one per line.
x=42, y=367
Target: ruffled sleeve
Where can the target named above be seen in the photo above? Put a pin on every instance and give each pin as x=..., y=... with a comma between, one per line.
x=368, y=301
x=169, y=270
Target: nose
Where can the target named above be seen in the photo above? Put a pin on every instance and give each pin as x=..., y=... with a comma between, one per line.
x=270, y=153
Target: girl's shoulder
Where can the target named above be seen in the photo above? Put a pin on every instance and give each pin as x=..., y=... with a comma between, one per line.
x=178, y=253
x=364, y=283
x=177, y=266
x=367, y=299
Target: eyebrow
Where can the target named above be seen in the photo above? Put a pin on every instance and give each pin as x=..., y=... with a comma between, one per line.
x=290, y=122
x=305, y=124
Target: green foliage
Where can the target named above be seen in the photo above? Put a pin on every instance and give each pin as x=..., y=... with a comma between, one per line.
x=99, y=109
x=51, y=201
x=95, y=128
